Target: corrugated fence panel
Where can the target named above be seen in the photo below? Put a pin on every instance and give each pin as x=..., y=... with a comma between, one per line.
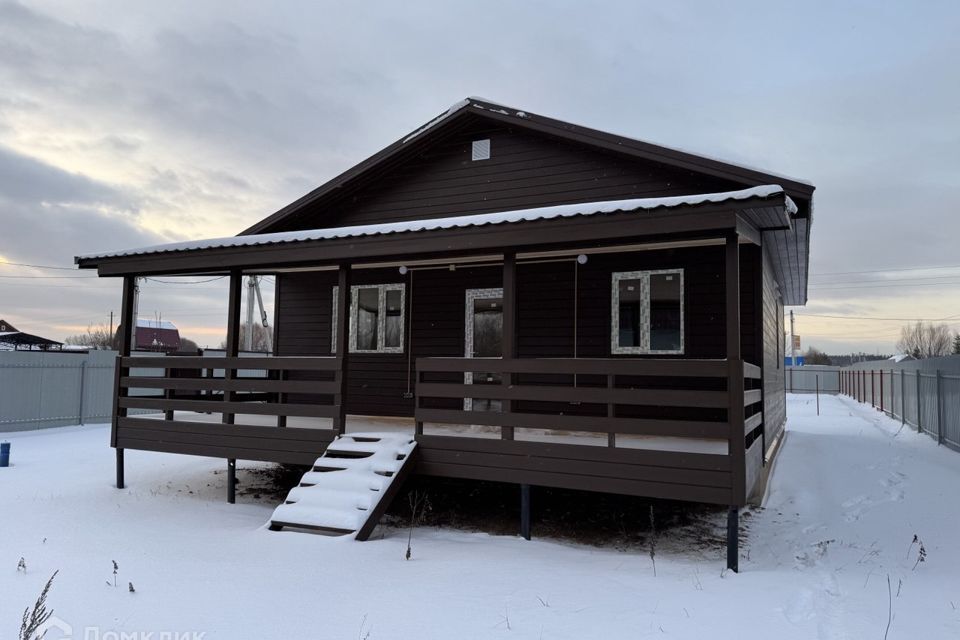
x=917, y=392
x=52, y=389
x=928, y=405
x=807, y=379
x=951, y=409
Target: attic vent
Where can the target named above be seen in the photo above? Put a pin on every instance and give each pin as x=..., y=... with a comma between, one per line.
x=481, y=149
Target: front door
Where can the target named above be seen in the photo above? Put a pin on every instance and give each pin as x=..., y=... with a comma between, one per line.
x=483, y=339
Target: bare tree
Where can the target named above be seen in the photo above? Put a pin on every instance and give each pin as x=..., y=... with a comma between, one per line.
x=925, y=340
x=260, y=337
x=96, y=336
x=815, y=356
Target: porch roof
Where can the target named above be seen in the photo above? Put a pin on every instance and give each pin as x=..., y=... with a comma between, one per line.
x=764, y=208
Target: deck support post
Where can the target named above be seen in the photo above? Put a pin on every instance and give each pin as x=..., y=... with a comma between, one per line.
x=120, y=469
x=343, y=347
x=735, y=409
x=127, y=320
x=733, y=539
x=525, y=511
x=509, y=344
x=231, y=480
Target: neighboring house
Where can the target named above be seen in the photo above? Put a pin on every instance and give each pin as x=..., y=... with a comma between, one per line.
x=545, y=303
x=12, y=339
x=156, y=335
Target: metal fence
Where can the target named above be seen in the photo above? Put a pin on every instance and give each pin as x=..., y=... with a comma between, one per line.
x=40, y=389
x=47, y=389
x=924, y=394
x=811, y=379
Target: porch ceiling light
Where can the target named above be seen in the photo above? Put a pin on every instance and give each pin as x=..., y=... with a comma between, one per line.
x=582, y=258
x=403, y=270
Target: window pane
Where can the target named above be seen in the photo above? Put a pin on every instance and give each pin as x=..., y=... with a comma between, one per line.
x=665, y=327
x=394, y=321
x=368, y=313
x=631, y=294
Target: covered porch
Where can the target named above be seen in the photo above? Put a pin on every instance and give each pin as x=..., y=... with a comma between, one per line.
x=664, y=424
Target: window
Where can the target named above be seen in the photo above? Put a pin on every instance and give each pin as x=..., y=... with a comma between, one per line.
x=647, y=312
x=376, y=318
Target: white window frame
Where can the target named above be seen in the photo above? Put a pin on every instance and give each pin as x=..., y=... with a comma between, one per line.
x=381, y=317
x=644, y=278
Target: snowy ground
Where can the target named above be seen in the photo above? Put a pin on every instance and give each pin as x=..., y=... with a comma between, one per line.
x=849, y=492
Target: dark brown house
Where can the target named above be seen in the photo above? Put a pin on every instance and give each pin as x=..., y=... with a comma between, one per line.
x=546, y=304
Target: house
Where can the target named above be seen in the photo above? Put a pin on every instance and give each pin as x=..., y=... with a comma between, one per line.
x=11, y=339
x=540, y=303
x=156, y=335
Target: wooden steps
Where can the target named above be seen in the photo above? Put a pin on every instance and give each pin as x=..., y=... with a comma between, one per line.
x=349, y=486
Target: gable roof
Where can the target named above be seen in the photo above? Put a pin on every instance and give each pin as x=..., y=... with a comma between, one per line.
x=799, y=190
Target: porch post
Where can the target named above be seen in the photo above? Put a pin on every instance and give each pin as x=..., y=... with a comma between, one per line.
x=233, y=350
x=525, y=511
x=509, y=331
x=735, y=411
x=126, y=340
x=343, y=347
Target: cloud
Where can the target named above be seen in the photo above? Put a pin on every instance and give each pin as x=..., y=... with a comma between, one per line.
x=122, y=126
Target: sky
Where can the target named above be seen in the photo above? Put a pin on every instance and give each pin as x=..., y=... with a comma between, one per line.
x=128, y=124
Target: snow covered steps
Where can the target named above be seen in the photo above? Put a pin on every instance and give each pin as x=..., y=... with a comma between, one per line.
x=349, y=486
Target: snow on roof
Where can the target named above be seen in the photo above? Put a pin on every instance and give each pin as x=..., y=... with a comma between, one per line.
x=443, y=116
x=149, y=323
x=520, y=215
x=505, y=110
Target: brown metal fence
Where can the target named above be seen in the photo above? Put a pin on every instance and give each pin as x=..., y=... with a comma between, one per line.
x=920, y=394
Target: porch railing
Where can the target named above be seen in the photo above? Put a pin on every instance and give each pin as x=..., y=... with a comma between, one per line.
x=572, y=382
x=191, y=384
x=619, y=398
x=281, y=387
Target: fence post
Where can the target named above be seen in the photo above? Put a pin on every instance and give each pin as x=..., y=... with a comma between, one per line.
x=83, y=371
x=817, y=382
x=939, y=408
x=918, y=402
x=903, y=397
x=881, y=390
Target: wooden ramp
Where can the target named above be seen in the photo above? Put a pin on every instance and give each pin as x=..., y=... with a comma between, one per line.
x=350, y=486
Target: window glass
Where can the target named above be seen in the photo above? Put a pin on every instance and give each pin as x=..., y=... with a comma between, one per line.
x=647, y=312
x=393, y=327
x=665, y=314
x=631, y=298
x=368, y=318
x=376, y=319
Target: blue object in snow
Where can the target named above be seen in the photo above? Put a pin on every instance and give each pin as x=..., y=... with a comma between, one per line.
x=4, y=454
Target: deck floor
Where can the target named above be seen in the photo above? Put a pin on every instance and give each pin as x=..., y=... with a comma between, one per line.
x=359, y=423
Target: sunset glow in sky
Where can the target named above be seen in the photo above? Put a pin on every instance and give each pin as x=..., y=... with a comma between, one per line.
x=124, y=125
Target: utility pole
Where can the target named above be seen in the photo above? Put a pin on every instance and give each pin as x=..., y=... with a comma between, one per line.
x=793, y=343
x=268, y=333
x=136, y=311
x=111, y=327
x=251, y=292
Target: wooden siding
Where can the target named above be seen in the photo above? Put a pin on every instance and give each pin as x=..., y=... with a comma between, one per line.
x=435, y=307
x=526, y=169
x=774, y=396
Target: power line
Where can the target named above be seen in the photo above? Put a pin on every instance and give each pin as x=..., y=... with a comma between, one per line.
x=59, y=277
x=36, y=266
x=185, y=282
x=829, y=287
x=850, y=273
x=817, y=315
